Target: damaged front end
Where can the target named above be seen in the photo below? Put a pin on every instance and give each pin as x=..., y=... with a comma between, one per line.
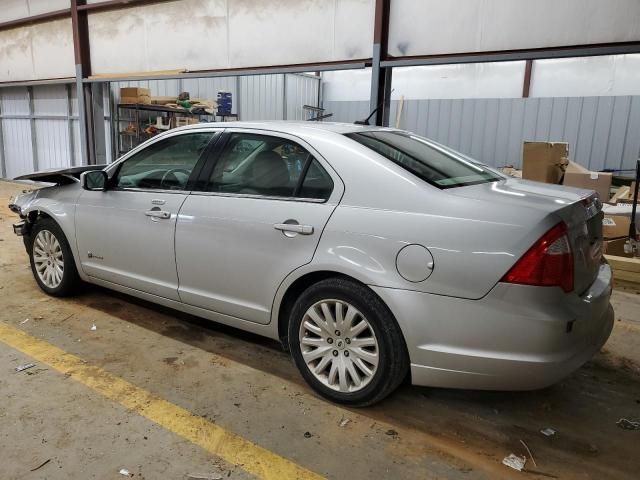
x=18, y=205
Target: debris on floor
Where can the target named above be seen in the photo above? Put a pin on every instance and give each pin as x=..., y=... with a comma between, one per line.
x=204, y=476
x=24, y=321
x=41, y=465
x=548, y=432
x=125, y=472
x=344, y=422
x=529, y=452
x=20, y=368
x=514, y=461
x=627, y=424
x=93, y=327
x=391, y=433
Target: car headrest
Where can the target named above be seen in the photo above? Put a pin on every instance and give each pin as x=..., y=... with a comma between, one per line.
x=269, y=171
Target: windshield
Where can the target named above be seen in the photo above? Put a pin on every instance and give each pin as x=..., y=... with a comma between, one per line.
x=435, y=164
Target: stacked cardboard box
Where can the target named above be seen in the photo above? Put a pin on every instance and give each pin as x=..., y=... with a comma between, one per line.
x=135, y=95
x=577, y=176
x=549, y=162
x=544, y=161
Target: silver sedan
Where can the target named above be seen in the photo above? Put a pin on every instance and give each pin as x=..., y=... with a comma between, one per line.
x=373, y=255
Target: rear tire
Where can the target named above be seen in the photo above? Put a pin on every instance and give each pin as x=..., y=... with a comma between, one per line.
x=51, y=259
x=346, y=343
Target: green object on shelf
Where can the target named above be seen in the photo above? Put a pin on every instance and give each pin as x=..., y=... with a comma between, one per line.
x=185, y=103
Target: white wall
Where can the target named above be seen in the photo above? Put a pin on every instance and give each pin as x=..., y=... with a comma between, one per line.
x=214, y=34
x=428, y=27
x=43, y=50
x=15, y=9
x=576, y=77
x=610, y=75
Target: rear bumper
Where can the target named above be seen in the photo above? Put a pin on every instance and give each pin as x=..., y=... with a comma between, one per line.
x=516, y=338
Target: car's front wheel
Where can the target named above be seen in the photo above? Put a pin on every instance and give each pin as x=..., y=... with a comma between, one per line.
x=51, y=259
x=346, y=343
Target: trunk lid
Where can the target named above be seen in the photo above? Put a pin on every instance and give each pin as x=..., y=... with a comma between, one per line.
x=580, y=210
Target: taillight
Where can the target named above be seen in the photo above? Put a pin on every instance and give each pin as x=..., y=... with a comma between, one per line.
x=549, y=262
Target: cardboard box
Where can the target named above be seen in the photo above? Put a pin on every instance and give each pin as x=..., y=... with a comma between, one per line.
x=578, y=176
x=615, y=247
x=135, y=92
x=135, y=95
x=615, y=226
x=544, y=161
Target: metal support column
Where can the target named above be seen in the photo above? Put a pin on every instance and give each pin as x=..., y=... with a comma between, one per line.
x=97, y=124
x=69, y=109
x=526, y=84
x=3, y=161
x=83, y=69
x=32, y=126
x=380, y=99
x=284, y=96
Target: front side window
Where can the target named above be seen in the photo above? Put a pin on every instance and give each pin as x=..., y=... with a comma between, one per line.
x=166, y=164
x=434, y=164
x=269, y=166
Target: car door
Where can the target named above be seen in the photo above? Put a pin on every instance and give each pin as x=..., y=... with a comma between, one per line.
x=262, y=207
x=125, y=235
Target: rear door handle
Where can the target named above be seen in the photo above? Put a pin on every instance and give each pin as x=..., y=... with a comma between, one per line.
x=158, y=214
x=294, y=228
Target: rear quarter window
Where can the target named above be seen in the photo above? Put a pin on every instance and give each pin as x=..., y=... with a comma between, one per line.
x=436, y=165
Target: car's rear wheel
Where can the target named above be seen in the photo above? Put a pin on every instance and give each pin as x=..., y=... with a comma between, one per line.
x=346, y=343
x=51, y=259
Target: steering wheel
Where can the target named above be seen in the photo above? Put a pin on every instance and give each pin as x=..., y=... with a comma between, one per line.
x=173, y=171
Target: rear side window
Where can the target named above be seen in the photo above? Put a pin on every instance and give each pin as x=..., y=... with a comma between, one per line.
x=434, y=164
x=268, y=166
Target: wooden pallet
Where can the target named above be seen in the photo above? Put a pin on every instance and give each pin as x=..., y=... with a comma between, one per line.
x=627, y=269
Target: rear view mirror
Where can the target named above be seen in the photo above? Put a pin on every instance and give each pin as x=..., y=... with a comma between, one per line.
x=95, y=180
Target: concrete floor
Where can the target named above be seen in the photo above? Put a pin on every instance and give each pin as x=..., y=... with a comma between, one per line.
x=248, y=386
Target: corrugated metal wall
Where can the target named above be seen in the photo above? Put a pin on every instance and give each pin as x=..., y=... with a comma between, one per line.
x=257, y=97
x=300, y=90
x=262, y=97
x=602, y=132
x=46, y=125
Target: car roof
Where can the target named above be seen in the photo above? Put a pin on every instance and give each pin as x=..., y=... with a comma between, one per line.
x=291, y=127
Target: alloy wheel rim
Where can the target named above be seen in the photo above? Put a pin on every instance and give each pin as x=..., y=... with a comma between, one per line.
x=48, y=259
x=339, y=345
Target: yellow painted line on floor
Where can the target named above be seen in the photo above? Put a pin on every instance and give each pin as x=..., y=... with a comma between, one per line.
x=216, y=440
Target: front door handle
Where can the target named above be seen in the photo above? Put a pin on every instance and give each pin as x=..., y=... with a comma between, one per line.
x=158, y=213
x=294, y=228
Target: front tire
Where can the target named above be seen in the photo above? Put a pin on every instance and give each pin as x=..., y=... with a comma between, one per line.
x=346, y=343
x=51, y=259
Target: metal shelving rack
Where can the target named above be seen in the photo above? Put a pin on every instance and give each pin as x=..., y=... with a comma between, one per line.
x=128, y=140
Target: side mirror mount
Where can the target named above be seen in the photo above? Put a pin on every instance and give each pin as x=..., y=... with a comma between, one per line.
x=94, y=180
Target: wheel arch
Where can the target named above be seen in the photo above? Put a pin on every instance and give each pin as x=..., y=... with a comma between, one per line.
x=62, y=219
x=291, y=289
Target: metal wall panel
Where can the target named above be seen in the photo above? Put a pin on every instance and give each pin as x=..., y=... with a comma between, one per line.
x=50, y=100
x=347, y=111
x=18, y=155
x=262, y=97
x=301, y=90
x=15, y=101
x=602, y=132
x=52, y=144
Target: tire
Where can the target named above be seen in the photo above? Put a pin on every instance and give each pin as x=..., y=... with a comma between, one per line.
x=48, y=241
x=376, y=354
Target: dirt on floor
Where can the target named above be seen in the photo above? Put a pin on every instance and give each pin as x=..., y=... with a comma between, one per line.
x=248, y=385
